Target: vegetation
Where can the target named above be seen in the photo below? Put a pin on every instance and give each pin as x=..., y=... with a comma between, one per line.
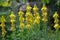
x=34, y=24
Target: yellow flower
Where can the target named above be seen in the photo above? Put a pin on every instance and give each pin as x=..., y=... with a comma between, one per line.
x=44, y=14
x=36, y=14
x=44, y=8
x=20, y=13
x=28, y=26
x=21, y=19
x=56, y=26
x=12, y=16
x=37, y=20
x=28, y=8
x=2, y=25
x=44, y=19
x=35, y=8
x=3, y=33
x=55, y=15
x=13, y=27
x=29, y=15
x=56, y=21
x=29, y=21
x=3, y=19
x=12, y=20
x=29, y=18
x=22, y=25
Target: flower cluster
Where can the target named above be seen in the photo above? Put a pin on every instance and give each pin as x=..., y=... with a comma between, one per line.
x=3, y=26
x=44, y=13
x=56, y=20
x=36, y=15
x=12, y=17
x=21, y=18
x=29, y=16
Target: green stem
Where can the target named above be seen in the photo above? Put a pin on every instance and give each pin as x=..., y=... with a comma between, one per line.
x=39, y=37
x=13, y=35
x=57, y=34
x=28, y=34
x=45, y=31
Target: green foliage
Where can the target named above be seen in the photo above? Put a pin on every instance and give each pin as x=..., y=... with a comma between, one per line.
x=58, y=2
x=45, y=1
x=40, y=32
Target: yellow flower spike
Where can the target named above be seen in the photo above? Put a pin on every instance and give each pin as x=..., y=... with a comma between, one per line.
x=12, y=17
x=21, y=14
x=56, y=26
x=44, y=8
x=55, y=16
x=21, y=18
x=44, y=13
x=56, y=20
x=36, y=15
x=3, y=26
x=29, y=17
x=28, y=8
x=35, y=8
x=28, y=13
